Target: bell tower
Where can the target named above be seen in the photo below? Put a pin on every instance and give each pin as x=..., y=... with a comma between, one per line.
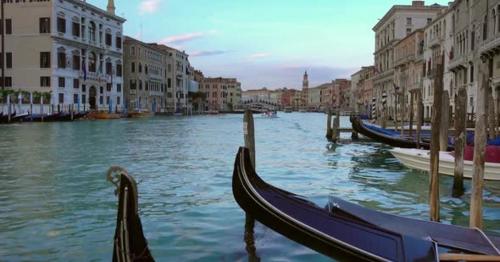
x=111, y=7
x=305, y=90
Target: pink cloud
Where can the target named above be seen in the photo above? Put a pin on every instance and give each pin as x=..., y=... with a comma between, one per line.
x=149, y=6
x=181, y=38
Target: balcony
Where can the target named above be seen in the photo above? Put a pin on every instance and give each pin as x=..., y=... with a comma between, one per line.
x=490, y=47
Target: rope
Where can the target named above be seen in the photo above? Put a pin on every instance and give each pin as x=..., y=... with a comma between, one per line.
x=488, y=239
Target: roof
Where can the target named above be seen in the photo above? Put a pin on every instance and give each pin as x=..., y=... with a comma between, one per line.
x=396, y=8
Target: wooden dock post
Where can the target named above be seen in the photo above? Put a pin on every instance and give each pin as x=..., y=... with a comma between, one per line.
x=445, y=121
x=329, y=124
x=436, y=119
x=403, y=111
x=412, y=98
x=249, y=134
x=9, y=109
x=249, y=137
x=41, y=106
x=460, y=140
x=476, y=202
x=420, y=116
x=492, y=122
x=71, y=109
x=336, y=127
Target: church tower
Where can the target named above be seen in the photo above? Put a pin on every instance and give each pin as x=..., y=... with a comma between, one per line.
x=111, y=7
x=305, y=90
x=305, y=82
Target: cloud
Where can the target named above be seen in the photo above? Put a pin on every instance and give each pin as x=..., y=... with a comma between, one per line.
x=181, y=38
x=207, y=53
x=149, y=6
x=259, y=55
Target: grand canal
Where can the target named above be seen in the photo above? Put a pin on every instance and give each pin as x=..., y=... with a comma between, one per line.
x=56, y=205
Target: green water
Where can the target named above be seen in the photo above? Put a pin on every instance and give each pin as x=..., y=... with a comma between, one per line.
x=56, y=205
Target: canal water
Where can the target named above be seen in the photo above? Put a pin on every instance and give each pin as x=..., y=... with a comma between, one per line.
x=56, y=205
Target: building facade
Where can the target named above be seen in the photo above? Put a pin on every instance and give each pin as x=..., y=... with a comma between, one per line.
x=69, y=48
x=397, y=23
x=145, y=77
x=221, y=94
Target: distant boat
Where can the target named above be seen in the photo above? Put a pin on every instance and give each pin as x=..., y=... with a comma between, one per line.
x=349, y=232
x=288, y=110
x=270, y=114
x=420, y=159
x=139, y=114
x=103, y=115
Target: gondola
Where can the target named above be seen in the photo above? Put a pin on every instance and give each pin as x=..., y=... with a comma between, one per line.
x=129, y=242
x=352, y=233
x=385, y=136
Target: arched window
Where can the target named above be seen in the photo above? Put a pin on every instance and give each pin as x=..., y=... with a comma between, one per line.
x=92, y=62
x=92, y=31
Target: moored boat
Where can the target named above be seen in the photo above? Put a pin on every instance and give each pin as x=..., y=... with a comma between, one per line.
x=103, y=115
x=137, y=114
x=420, y=159
x=347, y=231
x=386, y=136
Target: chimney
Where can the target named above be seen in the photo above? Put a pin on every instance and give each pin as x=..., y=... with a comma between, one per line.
x=111, y=7
x=418, y=3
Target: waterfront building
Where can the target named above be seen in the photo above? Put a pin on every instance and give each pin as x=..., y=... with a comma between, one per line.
x=145, y=77
x=397, y=23
x=314, y=97
x=362, y=90
x=69, y=48
x=180, y=74
x=438, y=42
x=341, y=94
x=476, y=38
x=221, y=94
x=408, y=69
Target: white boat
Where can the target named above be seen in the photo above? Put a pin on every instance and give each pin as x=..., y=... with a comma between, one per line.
x=420, y=159
x=270, y=114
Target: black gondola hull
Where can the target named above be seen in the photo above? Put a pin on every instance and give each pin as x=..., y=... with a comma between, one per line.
x=314, y=227
x=359, y=127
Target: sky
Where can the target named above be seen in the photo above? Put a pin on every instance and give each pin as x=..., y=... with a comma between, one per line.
x=263, y=43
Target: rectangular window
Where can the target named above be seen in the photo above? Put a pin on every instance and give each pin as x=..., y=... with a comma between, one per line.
x=8, y=60
x=84, y=88
x=118, y=42
x=429, y=20
x=408, y=31
x=169, y=83
x=132, y=67
x=61, y=25
x=76, y=62
x=408, y=20
x=118, y=70
x=109, y=68
x=118, y=100
x=109, y=86
x=8, y=26
x=62, y=82
x=8, y=81
x=107, y=100
x=132, y=84
x=76, y=83
x=61, y=98
x=118, y=87
x=76, y=29
x=84, y=99
x=108, y=39
x=75, y=99
x=45, y=81
x=44, y=59
x=44, y=25
x=61, y=60
x=101, y=100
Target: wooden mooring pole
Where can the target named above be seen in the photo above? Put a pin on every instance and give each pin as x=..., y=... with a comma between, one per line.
x=412, y=98
x=9, y=109
x=476, y=202
x=336, y=126
x=420, y=116
x=492, y=122
x=329, y=124
x=460, y=141
x=249, y=137
x=436, y=119
x=445, y=122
